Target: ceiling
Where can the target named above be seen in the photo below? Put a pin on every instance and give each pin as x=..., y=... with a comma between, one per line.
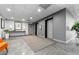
x=25, y=11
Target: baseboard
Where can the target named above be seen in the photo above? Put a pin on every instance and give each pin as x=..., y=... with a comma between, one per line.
x=67, y=41
x=60, y=41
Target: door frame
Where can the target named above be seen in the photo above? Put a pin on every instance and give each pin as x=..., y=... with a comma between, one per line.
x=46, y=22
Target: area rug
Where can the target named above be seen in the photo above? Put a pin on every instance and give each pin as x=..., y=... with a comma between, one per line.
x=37, y=43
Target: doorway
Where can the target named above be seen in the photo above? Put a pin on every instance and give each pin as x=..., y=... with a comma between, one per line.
x=49, y=28
x=35, y=28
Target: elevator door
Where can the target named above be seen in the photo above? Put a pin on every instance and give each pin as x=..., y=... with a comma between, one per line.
x=50, y=29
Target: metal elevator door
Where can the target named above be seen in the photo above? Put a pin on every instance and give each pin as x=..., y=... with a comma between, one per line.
x=50, y=29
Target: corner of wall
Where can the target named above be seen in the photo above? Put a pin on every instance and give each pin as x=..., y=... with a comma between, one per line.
x=69, y=22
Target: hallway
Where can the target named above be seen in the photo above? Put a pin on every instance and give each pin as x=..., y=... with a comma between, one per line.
x=38, y=29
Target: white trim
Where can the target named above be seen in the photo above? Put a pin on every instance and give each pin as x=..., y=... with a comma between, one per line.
x=62, y=41
x=68, y=41
x=59, y=41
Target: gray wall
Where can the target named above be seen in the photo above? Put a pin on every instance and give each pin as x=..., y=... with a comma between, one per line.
x=59, y=22
x=59, y=29
x=60, y=25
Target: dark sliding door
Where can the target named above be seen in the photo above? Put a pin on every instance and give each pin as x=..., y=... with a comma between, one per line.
x=45, y=28
x=35, y=28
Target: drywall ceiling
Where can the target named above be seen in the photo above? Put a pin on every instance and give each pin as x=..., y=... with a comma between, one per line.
x=25, y=11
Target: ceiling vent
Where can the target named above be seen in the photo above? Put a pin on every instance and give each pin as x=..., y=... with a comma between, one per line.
x=45, y=6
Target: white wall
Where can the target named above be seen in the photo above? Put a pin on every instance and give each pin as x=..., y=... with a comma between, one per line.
x=10, y=25
x=69, y=23
x=25, y=27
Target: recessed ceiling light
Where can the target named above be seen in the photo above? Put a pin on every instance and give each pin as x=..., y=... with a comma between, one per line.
x=39, y=10
x=31, y=17
x=8, y=9
x=23, y=19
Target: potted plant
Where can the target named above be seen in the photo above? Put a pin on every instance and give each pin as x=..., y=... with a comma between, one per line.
x=76, y=28
x=6, y=34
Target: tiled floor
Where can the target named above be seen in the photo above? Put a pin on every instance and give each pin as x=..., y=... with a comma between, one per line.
x=72, y=47
x=37, y=43
x=18, y=46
